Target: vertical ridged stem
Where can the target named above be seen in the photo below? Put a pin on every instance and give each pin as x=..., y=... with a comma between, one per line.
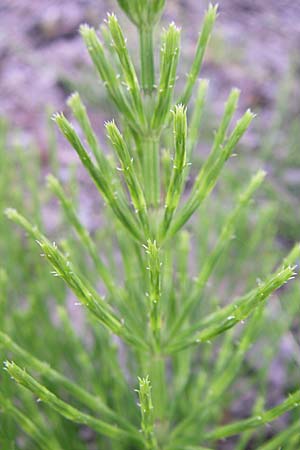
x=147, y=59
x=151, y=170
x=159, y=368
x=158, y=375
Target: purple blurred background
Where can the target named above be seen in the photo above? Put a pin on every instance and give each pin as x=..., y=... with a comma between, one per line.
x=253, y=44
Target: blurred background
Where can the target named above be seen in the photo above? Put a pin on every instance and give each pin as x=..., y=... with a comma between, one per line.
x=255, y=47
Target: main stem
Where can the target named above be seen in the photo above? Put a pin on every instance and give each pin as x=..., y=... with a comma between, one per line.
x=147, y=59
x=149, y=143
x=151, y=170
x=157, y=373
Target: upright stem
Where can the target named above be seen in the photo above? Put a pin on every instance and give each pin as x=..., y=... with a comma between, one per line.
x=156, y=370
x=155, y=366
x=147, y=59
x=151, y=170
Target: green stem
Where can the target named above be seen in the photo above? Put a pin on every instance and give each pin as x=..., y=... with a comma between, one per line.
x=158, y=375
x=147, y=59
x=151, y=170
x=293, y=401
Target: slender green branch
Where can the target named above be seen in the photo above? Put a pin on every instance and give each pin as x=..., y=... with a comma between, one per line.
x=147, y=416
x=131, y=80
x=108, y=75
x=169, y=60
x=211, y=261
x=43, y=439
x=281, y=438
x=120, y=209
x=91, y=401
x=231, y=315
x=208, y=177
x=203, y=40
x=130, y=176
x=145, y=16
x=81, y=288
x=154, y=294
x=227, y=366
x=195, y=123
x=254, y=422
x=179, y=165
x=79, y=111
x=66, y=410
x=82, y=232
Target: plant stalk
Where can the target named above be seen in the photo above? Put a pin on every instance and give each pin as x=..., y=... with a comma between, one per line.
x=147, y=59
x=151, y=170
x=157, y=372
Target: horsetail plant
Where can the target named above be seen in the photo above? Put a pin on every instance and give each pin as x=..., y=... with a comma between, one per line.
x=151, y=326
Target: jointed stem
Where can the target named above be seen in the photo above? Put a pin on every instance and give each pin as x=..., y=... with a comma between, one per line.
x=151, y=170
x=158, y=376
x=147, y=59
